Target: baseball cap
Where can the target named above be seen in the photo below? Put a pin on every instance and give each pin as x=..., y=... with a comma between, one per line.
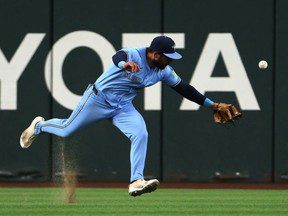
x=166, y=46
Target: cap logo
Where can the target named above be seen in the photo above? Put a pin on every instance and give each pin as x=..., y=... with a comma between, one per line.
x=173, y=47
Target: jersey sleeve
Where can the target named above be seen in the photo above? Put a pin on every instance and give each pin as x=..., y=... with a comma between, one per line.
x=118, y=57
x=170, y=77
x=132, y=54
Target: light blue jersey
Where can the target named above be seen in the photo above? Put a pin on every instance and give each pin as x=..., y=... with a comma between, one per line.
x=119, y=86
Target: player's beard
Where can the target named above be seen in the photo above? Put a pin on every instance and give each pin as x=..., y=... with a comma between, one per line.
x=159, y=65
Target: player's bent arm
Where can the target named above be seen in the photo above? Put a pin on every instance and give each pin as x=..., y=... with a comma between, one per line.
x=192, y=94
x=120, y=60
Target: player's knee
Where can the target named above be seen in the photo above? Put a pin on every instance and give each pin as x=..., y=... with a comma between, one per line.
x=142, y=135
x=145, y=134
x=66, y=133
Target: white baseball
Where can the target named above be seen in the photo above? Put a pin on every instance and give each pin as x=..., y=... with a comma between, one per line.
x=263, y=64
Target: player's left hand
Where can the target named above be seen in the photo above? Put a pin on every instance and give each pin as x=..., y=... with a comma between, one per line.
x=131, y=66
x=224, y=113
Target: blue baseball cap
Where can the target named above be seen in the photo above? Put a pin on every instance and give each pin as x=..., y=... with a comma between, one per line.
x=166, y=46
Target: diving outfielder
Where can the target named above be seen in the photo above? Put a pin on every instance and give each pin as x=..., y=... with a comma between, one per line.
x=110, y=97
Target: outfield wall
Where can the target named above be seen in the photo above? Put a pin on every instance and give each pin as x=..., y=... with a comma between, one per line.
x=54, y=49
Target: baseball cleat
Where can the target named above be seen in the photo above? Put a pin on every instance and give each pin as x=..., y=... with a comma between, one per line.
x=141, y=186
x=28, y=136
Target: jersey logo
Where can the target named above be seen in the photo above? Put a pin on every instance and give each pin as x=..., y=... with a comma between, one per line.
x=173, y=72
x=132, y=77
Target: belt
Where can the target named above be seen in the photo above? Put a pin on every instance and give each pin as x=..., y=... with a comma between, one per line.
x=95, y=90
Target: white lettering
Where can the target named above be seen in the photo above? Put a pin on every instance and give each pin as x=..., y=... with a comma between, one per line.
x=238, y=82
x=10, y=72
x=61, y=49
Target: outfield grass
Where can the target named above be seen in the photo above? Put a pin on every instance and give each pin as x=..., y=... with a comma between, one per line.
x=90, y=201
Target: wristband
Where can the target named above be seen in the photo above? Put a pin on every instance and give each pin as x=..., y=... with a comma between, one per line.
x=208, y=103
x=121, y=63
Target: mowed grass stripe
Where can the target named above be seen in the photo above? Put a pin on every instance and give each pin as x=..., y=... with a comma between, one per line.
x=99, y=211
x=49, y=201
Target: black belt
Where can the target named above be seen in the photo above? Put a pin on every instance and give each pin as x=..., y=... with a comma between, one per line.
x=95, y=90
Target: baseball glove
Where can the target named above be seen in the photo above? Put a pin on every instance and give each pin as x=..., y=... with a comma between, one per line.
x=226, y=113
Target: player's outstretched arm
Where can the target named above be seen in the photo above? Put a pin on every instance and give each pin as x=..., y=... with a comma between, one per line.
x=223, y=112
x=192, y=94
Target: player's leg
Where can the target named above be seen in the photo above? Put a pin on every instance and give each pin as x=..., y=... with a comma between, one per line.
x=81, y=115
x=132, y=124
x=90, y=108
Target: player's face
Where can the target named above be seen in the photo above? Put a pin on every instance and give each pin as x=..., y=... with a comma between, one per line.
x=161, y=61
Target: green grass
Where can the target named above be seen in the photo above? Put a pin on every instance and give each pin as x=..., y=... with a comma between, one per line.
x=90, y=201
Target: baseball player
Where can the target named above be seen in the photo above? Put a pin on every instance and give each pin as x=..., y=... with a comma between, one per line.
x=110, y=97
